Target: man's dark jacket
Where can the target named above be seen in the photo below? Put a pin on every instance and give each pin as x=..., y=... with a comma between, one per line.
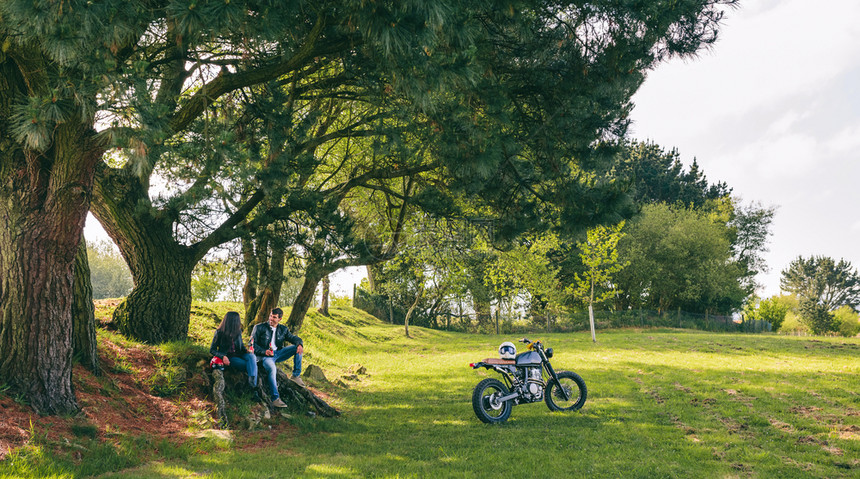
x=261, y=336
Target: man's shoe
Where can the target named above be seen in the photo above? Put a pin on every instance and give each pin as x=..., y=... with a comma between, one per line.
x=279, y=403
x=298, y=380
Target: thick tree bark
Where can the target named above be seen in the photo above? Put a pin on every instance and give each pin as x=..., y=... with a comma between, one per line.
x=159, y=306
x=44, y=197
x=83, y=314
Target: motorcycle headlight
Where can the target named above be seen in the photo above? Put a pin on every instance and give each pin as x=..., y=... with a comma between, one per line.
x=548, y=353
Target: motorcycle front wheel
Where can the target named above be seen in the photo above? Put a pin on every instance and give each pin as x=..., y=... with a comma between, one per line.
x=571, y=383
x=486, y=404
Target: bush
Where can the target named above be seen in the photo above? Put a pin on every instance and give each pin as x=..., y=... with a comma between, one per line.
x=847, y=321
x=169, y=377
x=792, y=325
x=773, y=310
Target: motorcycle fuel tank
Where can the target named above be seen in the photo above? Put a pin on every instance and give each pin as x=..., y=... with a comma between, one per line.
x=528, y=358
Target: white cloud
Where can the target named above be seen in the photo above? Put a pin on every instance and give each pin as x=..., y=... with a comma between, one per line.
x=765, y=55
x=792, y=155
x=846, y=140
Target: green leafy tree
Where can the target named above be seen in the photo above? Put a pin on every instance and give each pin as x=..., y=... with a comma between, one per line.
x=824, y=280
x=847, y=321
x=109, y=275
x=750, y=225
x=679, y=258
x=658, y=176
x=533, y=274
x=154, y=71
x=817, y=317
x=212, y=279
x=599, y=255
x=771, y=309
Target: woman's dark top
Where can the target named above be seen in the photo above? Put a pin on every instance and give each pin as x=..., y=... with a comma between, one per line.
x=222, y=346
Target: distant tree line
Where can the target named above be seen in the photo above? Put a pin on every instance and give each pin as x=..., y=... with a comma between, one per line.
x=687, y=244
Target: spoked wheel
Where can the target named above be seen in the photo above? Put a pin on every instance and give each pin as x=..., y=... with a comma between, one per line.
x=485, y=401
x=573, y=385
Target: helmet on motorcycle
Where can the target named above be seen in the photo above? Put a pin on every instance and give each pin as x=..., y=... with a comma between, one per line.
x=507, y=350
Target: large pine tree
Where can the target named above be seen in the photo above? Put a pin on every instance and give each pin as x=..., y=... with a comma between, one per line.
x=522, y=92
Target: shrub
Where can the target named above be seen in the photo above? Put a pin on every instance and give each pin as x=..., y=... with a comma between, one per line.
x=847, y=321
x=792, y=325
x=168, y=379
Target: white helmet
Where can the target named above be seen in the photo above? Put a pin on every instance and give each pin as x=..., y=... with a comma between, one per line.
x=507, y=350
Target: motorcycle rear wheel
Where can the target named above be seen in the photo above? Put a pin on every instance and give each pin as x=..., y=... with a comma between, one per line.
x=484, y=402
x=573, y=384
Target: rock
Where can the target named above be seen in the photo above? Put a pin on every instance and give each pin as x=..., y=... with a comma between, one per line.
x=342, y=384
x=215, y=434
x=351, y=377
x=315, y=373
x=358, y=369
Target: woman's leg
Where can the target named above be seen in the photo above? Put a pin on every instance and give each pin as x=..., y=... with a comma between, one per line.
x=247, y=363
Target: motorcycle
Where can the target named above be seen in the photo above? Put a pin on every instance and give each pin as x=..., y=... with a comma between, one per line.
x=529, y=377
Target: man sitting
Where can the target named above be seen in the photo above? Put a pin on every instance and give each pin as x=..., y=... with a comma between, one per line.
x=267, y=342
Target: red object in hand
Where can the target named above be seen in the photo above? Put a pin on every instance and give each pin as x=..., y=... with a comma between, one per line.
x=216, y=363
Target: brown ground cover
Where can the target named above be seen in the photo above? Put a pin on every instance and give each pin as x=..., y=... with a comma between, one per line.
x=119, y=403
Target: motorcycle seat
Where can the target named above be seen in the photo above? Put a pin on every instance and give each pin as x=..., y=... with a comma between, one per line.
x=499, y=361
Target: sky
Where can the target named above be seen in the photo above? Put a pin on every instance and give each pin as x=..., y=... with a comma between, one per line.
x=773, y=109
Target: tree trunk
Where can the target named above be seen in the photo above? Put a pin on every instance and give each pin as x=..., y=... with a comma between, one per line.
x=268, y=261
x=325, y=290
x=304, y=300
x=412, y=309
x=591, y=320
x=83, y=314
x=252, y=270
x=483, y=314
x=158, y=308
x=44, y=197
x=591, y=313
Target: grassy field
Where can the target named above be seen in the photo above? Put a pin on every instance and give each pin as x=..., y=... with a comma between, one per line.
x=661, y=403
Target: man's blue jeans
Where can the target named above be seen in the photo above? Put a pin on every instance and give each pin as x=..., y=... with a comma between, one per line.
x=272, y=371
x=247, y=363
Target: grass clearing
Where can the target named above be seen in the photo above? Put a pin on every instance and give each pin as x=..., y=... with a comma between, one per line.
x=662, y=403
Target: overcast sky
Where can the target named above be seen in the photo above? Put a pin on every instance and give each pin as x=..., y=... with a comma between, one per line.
x=774, y=111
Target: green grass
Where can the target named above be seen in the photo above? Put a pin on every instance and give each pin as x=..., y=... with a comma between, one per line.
x=662, y=403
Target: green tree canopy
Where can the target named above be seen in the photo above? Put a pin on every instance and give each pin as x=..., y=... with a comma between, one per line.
x=823, y=280
x=501, y=81
x=679, y=258
x=658, y=176
x=109, y=274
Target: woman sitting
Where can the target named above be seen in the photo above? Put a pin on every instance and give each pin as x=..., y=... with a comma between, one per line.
x=229, y=347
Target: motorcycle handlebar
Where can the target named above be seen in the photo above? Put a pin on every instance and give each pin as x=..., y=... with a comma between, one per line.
x=524, y=340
